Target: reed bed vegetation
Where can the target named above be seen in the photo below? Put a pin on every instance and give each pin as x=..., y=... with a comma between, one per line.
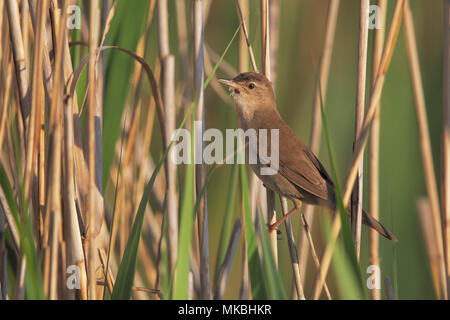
x=93, y=207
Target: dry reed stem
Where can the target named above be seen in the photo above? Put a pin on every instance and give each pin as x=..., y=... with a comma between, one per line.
x=6, y=85
x=20, y=61
x=10, y=221
x=360, y=145
x=36, y=97
x=225, y=268
x=3, y=256
x=307, y=232
x=91, y=118
x=183, y=47
x=374, y=149
x=292, y=250
x=19, y=287
x=3, y=35
x=25, y=23
x=242, y=20
x=274, y=27
x=357, y=197
x=446, y=142
x=243, y=49
x=265, y=39
x=425, y=143
x=54, y=208
x=266, y=69
x=202, y=215
x=168, y=93
x=429, y=234
x=71, y=224
x=316, y=128
x=244, y=291
x=389, y=290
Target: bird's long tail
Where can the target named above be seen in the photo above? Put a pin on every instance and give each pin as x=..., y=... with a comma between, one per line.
x=371, y=222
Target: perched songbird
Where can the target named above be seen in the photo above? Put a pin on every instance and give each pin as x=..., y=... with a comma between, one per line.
x=300, y=176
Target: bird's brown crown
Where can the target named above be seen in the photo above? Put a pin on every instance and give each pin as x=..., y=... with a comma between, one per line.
x=249, y=77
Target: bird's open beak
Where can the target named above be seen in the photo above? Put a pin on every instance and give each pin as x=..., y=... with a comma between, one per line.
x=229, y=83
x=234, y=87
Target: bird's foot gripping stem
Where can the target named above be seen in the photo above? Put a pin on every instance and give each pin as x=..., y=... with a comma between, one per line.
x=274, y=227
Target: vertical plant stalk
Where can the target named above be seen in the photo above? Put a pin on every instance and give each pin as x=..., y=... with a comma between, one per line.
x=446, y=142
x=429, y=234
x=244, y=292
x=53, y=205
x=274, y=27
x=183, y=47
x=199, y=146
x=247, y=39
x=316, y=128
x=425, y=144
x=374, y=149
x=266, y=69
x=94, y=21
x=307, y=231
x=292, y=251
x=360, y=145
x=389, y=290
x=36, y=97
x=168, y=95
x=357, y=196
x=265, y=39
x=20, y=61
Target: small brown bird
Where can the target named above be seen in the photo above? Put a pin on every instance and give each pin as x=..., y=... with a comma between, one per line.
x=300, y=176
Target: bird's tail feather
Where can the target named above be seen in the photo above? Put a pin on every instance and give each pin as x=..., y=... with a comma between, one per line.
x=371, y=222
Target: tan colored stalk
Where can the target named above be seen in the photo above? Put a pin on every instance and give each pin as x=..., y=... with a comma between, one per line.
x=6, y=86
x=307, y=232
x=357, y=197
x=20, y=61
x=183, y=47
x=292, y=251
x=446, y=142
x=274, y=27
x=360, y=145
x=94, y=15
x=244, y=29
x=201, y=168
x=168, y=93
x=316, y=128
x=244, y=292
x=37, y=96
x=425, y=143
x=266, y=69
x=54, y=208
x=430, y=237
x=374, y=149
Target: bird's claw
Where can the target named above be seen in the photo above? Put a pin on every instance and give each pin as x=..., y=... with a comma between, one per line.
x=272, y=228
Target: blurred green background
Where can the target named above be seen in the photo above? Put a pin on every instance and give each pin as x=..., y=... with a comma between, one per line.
x=302, y=28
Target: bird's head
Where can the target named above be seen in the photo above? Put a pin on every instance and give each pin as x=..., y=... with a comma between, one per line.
x=251, y=91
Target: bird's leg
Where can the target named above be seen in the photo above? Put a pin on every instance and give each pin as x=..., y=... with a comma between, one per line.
x=297, y=206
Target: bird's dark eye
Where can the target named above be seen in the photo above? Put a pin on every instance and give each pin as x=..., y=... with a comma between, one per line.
x=251, y=86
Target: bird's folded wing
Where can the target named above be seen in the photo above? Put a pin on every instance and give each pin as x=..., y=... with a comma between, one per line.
x=301, y=167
